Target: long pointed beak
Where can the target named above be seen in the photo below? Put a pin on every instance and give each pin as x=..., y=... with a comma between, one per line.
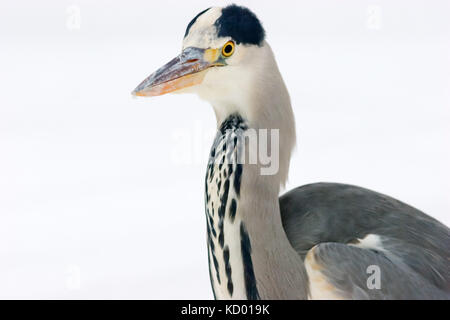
x=183, y=71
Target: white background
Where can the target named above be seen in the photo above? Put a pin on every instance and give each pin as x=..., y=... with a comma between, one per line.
x=101, y=195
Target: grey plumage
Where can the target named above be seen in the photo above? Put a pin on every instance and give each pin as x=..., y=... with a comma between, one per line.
x=416, y=256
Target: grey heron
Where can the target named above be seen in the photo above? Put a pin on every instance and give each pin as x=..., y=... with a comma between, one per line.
x=318, y=241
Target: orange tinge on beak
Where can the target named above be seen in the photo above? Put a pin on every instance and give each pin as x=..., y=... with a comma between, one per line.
x=182, y=72
x=186, y=81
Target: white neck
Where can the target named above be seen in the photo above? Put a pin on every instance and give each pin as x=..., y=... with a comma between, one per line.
x=278, y=270
x=258, y=93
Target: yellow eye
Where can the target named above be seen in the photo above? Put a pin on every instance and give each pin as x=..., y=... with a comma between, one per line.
x=228, y=49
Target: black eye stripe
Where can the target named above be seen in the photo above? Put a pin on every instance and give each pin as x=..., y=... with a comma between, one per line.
x=193, y=21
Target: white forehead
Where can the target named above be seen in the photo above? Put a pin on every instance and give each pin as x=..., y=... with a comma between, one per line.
x=203, y=33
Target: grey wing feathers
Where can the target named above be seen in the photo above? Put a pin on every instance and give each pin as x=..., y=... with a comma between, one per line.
x=337, y=214
x=352, y=271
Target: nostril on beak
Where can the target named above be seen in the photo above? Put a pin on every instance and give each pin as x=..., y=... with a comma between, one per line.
x=192, y=60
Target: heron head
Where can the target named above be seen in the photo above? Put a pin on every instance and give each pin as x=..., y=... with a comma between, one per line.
x=226, y=61
x=221, y=48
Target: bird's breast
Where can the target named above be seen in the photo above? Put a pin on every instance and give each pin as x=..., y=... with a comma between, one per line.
x=222, y=190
